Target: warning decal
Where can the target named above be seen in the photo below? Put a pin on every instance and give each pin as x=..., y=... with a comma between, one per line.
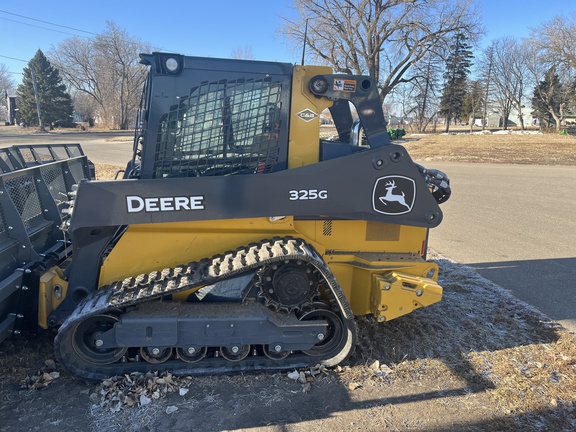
x=344, y=85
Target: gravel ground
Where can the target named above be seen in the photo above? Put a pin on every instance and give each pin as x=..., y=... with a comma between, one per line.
x=479, y=360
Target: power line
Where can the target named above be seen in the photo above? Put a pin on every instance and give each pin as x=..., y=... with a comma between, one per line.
x=47, y=22
x=13, y=58
x=45, y=28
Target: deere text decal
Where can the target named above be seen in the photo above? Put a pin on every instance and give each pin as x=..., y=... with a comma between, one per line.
x=136, y=204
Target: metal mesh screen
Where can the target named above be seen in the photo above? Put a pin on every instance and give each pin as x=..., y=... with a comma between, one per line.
x=221, y=128
x=54, y=179
x=3, y=228
x=25, y=196
x=77, y=170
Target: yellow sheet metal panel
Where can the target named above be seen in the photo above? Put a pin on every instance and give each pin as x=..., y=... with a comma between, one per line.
x=346, y=235
x=305, y=112
x=148, y=247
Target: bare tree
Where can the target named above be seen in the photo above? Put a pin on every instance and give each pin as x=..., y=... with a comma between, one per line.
x=85, y=107
x=425, y=82
x=380, y=39
x=553, y=66
x=107, y=69
x=555, y=40
x=554, y=83
x=473, y=102
x=6, y=83
x=402, y=99
x=243, y=53
x=553, y=97
x=486, y=69
x=510, y=75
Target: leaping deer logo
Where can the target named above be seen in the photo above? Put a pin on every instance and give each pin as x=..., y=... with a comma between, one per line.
x=391, y=197
x=394, y=195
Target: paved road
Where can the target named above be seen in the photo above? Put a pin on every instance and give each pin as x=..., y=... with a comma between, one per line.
x=516, y=224
x=113, y=148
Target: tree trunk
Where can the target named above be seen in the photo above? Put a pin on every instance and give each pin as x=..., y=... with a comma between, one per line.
x=558, y=122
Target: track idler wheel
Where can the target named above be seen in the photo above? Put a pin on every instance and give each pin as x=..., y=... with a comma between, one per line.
x=87, y=345
x=335, y=333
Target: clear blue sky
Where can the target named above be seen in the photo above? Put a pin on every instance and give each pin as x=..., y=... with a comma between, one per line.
x=209, y=28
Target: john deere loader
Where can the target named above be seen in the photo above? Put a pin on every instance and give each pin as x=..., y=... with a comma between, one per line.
x=237, y=239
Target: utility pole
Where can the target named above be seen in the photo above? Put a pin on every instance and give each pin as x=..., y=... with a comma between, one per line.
x=304, y=43
x=490, y=53
x=37, y=100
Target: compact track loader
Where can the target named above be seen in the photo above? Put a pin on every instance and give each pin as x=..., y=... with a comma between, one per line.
x=237, y=239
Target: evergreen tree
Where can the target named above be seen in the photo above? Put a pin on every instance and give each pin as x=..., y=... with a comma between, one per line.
x=55, y=102
x=458, y=66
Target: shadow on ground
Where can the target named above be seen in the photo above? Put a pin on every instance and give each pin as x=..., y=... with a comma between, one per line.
x=546, y=282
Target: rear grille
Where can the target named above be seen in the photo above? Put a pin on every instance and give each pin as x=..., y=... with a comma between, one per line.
x=327, y=229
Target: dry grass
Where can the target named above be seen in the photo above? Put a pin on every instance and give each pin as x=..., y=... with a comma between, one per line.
x=532, y=377
x=533, y=149
x=107, y=172
x=495, y=347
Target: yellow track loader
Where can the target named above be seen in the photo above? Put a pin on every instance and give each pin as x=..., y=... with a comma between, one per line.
x=237, y=239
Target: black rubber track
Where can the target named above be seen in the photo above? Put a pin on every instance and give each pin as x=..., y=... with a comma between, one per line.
x=114, y=298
